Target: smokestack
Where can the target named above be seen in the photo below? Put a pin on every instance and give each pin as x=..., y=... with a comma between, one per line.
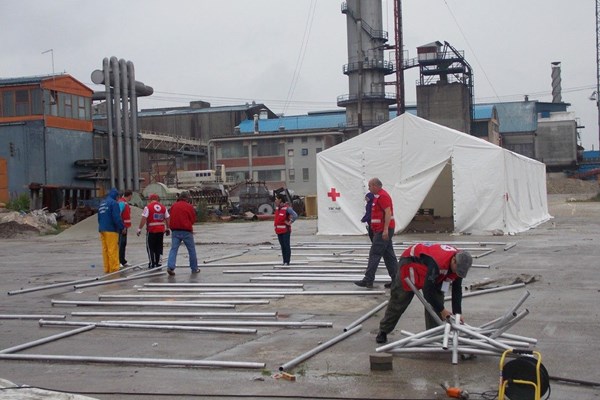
x=556, y=88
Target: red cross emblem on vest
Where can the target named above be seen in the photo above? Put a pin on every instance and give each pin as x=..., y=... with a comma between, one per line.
x=333, y=194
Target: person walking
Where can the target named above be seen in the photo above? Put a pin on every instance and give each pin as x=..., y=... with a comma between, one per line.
x=126, y=217
x=382, y=224
x=367, y=217
x=110, y=226
x=284, y=218
x=156, y=218
x=181, y=220
x=432, y=269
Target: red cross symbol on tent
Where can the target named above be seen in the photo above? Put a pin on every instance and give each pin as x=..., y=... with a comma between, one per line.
x=333, y=194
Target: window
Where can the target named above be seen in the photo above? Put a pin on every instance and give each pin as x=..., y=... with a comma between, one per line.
x=68, y=105
x=292, y=174
x=304, y=139
x=290, y=140
x=36, y=101
x=305, y=174
x=80, y=107
x=318, y=150
x=267, y=148
x=304, y=152
x=22, y=102
x=234, y=150
x=8, y=106
x=269, y=175
x=290, y=152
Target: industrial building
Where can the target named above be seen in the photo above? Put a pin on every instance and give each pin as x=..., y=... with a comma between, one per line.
x=45, y=139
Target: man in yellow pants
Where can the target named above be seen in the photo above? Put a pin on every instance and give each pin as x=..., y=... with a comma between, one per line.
x=110, y=225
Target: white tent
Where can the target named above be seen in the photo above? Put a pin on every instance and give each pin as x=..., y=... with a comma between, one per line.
x=481, y=186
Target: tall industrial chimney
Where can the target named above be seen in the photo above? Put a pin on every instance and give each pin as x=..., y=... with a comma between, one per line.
x=556, y=89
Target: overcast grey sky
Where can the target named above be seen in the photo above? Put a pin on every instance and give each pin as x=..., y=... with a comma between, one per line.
x=289, y=53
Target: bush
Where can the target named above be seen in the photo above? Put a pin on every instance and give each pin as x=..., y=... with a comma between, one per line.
x=201, y=211
x=20, y=203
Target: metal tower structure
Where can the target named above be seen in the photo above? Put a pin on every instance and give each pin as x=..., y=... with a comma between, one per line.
x=598, y=65
x=399, y=45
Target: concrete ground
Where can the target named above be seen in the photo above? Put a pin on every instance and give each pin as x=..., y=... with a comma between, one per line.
x=561, y=257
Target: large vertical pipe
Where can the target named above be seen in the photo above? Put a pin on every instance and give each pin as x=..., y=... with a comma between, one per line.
x=134, y=127
x=117, y=118
x=109, y=120
x=126, y=122
x=556, y=83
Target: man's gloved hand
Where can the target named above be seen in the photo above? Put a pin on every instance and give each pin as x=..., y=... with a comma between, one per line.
x=167, y=232
x=139, y=231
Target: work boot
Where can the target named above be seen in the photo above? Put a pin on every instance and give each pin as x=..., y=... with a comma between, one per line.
x=364, y=284
x=381, y=337
x=170, y=271
x=387, y=285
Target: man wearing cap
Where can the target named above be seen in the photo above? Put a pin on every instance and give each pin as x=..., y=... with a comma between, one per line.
x=181, y=221
x=156, y=218
x=432, y=268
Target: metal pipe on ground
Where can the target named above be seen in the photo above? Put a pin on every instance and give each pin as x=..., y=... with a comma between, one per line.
x=365, y=316
x=174, y=314
x=308, y=354
x=401, y=342
x=223, y=299
x=48, y=339
x=225, y=257
x=139, y=303
x=129, y=278
x=31, y=316
x=170, y=327
x=133, y=361
x=492, y=290
x=287, y=324
x=241, y=285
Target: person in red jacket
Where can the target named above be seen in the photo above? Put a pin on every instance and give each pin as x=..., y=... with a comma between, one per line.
x=126, y=217
x=431, y=268
x=382, y=225
x=182, y=219
x=156, y=218
x=284, y=218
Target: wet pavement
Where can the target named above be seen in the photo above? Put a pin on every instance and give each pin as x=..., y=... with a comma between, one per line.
x=558, y=258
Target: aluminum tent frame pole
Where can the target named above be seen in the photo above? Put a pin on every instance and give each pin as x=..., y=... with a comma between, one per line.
x=223, y=298
x=48, y=339
x=241, y=253
x=512, y=312
x=139, y=303
x=366, y=316
x=51, y=286
x=31, y=316
x=129, y=278
x=509, y=324
x=426, y=304
x=288, y=324
x=134, y=361
x=240, y=285
x=172, y=327
x=401, y=342
x=174, y=314
x=329, y=343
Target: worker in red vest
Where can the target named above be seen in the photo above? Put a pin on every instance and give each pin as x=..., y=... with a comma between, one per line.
x=156, y=218
x=431, y=268
x=126, y=217
x=382, y=225
x=284, y=218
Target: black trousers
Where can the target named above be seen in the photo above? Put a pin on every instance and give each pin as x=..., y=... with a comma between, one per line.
x=154, y=247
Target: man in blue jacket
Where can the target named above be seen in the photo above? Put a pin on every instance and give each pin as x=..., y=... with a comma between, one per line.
x=110, y=225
